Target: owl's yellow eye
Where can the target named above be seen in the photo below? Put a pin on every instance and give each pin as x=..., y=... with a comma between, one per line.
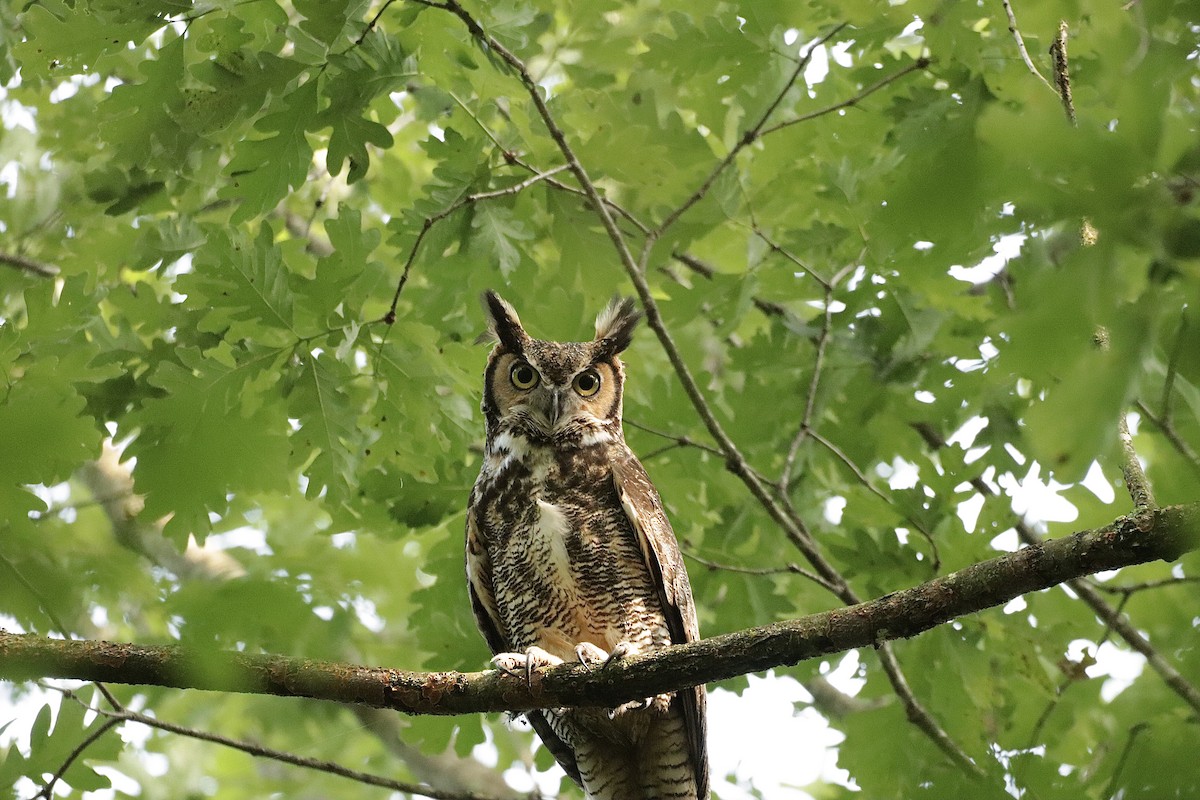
x=523, y=376
x=587, y=383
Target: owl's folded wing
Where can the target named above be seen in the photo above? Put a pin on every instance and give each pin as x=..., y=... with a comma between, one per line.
x=659, y=547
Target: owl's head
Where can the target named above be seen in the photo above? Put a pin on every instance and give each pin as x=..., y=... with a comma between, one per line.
x=555, y=390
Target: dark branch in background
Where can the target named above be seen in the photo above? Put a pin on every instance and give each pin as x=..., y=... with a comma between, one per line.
x=47, y=791
x=1168, y=430
x=1134, y=588
x=123, y=715
x=39, y=268
x=1163, y=421
x=794, y=569
x=1164, y=533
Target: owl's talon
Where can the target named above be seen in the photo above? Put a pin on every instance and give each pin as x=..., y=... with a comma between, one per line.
x=619, y=652
x=523, y=665
x=589, y=655
x=632, y=705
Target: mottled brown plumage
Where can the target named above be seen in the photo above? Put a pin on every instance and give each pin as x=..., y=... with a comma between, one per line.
x=571, y=557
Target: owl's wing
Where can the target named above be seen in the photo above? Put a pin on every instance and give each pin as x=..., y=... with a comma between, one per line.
x=660, y=549
x=479, y=585
x=487, y=617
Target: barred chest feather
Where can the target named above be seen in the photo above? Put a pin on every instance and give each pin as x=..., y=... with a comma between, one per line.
x=566, y=564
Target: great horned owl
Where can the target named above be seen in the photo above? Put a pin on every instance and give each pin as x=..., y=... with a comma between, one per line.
x=571, y=557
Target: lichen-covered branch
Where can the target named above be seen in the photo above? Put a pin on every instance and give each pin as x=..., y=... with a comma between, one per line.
x=1164, y=533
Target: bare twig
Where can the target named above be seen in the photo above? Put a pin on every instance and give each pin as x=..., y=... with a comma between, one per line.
x=47, y=791
x=810, y=400
x=916, y=66
x=1113, y=782
x=1172, y=367
x=39, y=268
x=1168, y=430
x=1073, y=672
x=1132, y=588
x=1016, y=32
x=374, y=20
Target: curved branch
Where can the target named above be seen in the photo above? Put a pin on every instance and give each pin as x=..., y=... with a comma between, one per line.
x=1164, y=533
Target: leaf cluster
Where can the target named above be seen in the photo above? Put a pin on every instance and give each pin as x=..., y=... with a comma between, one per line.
x=268, y=224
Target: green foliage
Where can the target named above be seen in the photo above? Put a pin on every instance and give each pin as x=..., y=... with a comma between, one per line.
x=229, y=194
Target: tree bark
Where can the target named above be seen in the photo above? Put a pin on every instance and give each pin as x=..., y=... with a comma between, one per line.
x=1164, y=533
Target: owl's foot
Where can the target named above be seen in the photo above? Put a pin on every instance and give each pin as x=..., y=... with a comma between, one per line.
x=632, y=705
x=590, y=655
x=523, y=665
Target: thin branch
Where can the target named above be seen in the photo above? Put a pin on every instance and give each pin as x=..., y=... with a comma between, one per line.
x=1016, y=32
x=676, y=441
x=1132, y=588
x=916, y=66
x=1073, y=672
x=261, y=751
x=1168, y=430
x=810, y=400
x=39, y=268
x=1164, y=533
x=47, y=791
x=775, y=247
x=374, y=20
x=750, y=135
x=794, y=569
x=921, y=718
x=1113, y=782
x=1172, y=367
x=467, y=200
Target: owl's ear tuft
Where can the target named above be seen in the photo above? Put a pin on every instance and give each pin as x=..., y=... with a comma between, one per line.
x=504, y=325
x=614, y=326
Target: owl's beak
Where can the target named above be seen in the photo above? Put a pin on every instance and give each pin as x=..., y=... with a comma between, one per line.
x=557, y=398
x=551, y=404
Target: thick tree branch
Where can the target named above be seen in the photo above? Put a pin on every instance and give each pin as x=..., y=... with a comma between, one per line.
x=1164, y=533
